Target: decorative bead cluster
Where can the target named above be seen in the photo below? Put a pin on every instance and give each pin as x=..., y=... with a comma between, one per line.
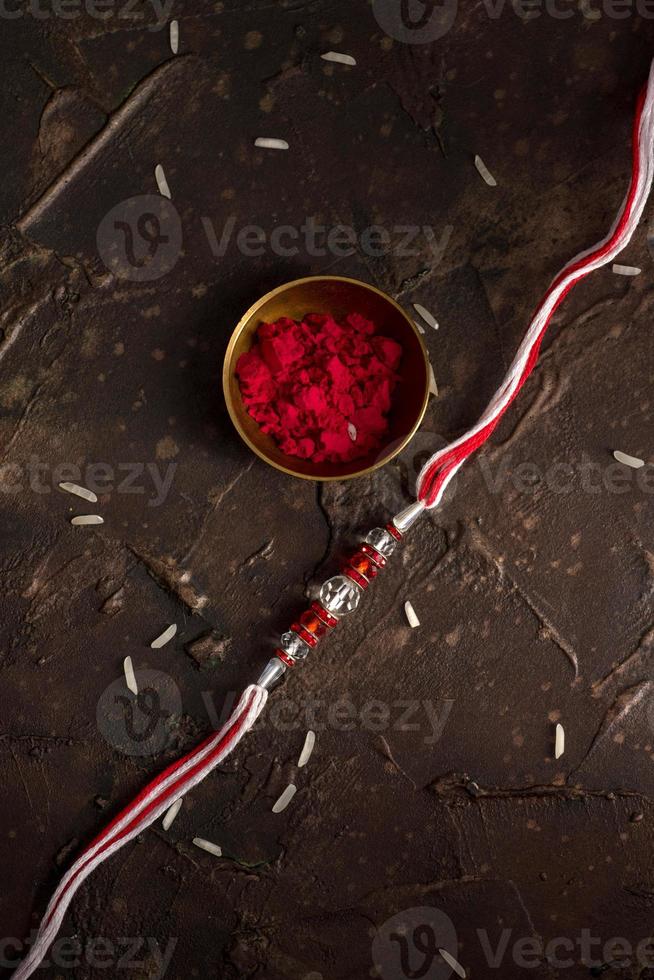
x=339, y=595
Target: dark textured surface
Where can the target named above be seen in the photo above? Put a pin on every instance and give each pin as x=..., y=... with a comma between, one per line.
x=535, y=605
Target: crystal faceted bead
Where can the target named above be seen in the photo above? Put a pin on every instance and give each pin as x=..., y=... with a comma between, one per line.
x=382, y=540
x=295, y=647
x=339, y=595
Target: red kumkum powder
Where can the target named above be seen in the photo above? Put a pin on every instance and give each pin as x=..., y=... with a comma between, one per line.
x=307, y=383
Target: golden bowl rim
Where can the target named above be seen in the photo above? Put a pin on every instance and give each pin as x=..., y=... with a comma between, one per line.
x=227, y=375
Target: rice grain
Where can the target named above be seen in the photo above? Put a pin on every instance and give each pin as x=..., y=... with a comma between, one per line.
x=79, y=491
x=130, y=676
x=268, y=143
x=411, y=615
x=628, y=460
x=307, y=749
x=484, y=172
x=174, y=36
x=559, y=742
x=285, y=798
x=208, y=846
x=625, y=270
x=162, y=183
x=336, y=56
x=452, y=963
x=171, y=813
x=167, y=635
x=433, y=387
x=426, y=315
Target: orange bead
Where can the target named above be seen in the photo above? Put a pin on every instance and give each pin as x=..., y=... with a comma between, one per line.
x=324, y=615
x=312, y=622
x=363, y=565
x=376, y=556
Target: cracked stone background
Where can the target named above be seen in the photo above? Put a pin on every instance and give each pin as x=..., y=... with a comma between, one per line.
x=535, y=606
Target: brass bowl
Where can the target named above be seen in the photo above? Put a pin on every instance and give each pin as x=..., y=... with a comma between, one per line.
x=338, y=296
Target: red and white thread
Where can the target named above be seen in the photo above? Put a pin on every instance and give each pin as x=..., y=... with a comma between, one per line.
x=148, y=806
x=441, y=468
x=433, y=479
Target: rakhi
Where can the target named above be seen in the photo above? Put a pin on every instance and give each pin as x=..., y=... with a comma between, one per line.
x=341, y=594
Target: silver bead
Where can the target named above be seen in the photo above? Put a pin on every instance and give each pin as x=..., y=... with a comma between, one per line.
x=294, y=646
x=339, y=595
x=272, y=673
x=382, y=541
x=407, y=517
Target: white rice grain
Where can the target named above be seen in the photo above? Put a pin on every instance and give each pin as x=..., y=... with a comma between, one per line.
x=336, y=56
x=426, y=315
x=208, y=846
x=411, y=616
x=352, y=431
x=171, y=813
x=419, y=326
x=433, y=387
x=167, y=635
x=484, y=172
x=85, y=519
x=307, y=749
x=625, y=270
x=79, y=491
x=628, y=460
x=268, y=143
x=285, y=798
x=452, y=963
x=130, y=676
x=559, y=742
x=162, y=183
x=174, y=36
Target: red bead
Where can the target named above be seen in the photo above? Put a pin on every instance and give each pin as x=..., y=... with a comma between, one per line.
x=284, y=657
x=378, y=558
x=394, y=531
x=326, y=617
x=313, y=623
x=304, y=634
x=354, y=575
x=363, y=565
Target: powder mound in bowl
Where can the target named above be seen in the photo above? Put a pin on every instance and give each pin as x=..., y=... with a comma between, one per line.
x=312, y=384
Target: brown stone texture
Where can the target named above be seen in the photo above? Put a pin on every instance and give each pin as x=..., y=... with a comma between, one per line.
x=433, y=784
